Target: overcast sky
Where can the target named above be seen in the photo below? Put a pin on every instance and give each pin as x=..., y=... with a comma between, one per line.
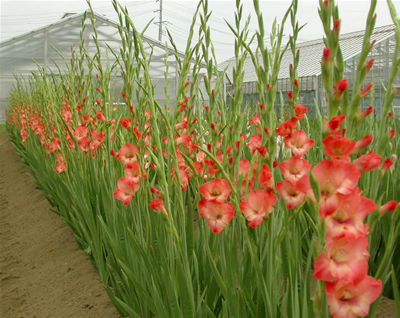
x=18, y=17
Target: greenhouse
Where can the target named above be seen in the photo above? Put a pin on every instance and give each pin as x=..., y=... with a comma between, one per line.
x=52, y=46
x=309, y=68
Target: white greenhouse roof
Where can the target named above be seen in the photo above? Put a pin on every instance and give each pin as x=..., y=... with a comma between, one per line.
x=311, y=54
x=16, y=54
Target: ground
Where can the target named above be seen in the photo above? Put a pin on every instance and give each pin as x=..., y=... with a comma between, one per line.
x=43, y=273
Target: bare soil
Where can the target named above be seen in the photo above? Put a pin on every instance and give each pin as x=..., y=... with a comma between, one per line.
x=43, y=273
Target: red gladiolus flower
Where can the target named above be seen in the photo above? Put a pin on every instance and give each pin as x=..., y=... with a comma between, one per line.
x=84, y=144
x=128, y=153
x=388, y=207
x=338, y=147
x=363, y=114
x=289, y=193
x=97, y=138
x=255, y=142
x=60, y=168
x=347, y=300
x=367, y=162
x=386, y=165
x=218, y=214
x=182, y=125
x=300, y=111
x=369, y=64
x=333, y=126
x=183, y=140
x=126, y=189
x=392, y=132
x=290, y=96
x=294, y=168
x=100, y=116
x=362, y=143
x=255, y=120
x=366, y=89
x=158, y=206
x=326, y=56
x=343, y=260
x=336, y=27
x=125, y=123
x=286, y=128
x=299, y=142
x=340, y=87
x=266, y=178
x=212, y=167
x=217, y=190
x=132, y=169
x=259, y=204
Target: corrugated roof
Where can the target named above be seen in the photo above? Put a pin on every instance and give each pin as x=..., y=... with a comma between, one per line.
x=311, y=53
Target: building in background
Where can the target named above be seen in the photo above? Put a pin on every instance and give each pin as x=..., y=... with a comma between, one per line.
x=309, y=69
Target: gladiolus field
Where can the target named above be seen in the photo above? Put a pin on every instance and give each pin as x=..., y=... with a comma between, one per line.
x=213, y=206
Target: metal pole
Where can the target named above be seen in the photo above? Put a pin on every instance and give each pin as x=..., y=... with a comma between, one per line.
x=160, y=24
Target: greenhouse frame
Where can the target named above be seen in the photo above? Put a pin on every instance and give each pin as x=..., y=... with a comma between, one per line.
x=309, y=69
x=23, y=54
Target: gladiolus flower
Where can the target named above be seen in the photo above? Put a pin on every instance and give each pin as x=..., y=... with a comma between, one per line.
x=255, y=142
x=125, y=123
x=259, y=204
x=290, y=96
x=289, y=193
x=362, y=143
x=84, y=144
x=98, y=102
x=266, y=178
x=386, y=165
x=363, y=114
x=132, y=169
x=182, y=125
x=127, y=153
x=343, y=260
x=340, y=87
x=126, y=189
x=300, y=111
x=388, y=207
x=366, y=89
x=218, y=214
x=392, y=132
x=183, y=140
x=367, y=162
x=285, y=129
x=347, y=300
x=326, y=56
x=299, y=142
x=217, y=190
x=338, y=147
x=294, y=168
x=333, y=126
x=100, y=116
x=255, y=120
x=60, y=168
x=336, y=27
x=369, y=64
x=158, y=206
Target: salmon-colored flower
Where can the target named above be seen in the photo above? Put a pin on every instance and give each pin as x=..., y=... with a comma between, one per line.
x=126, y=189
x=386, y=165
x=255, y=142
x=80, y=132
x=97, y=139
x=347, y=300
x=338, y=147
x=218, y=214
x=84, y=144
x=285, y=129
x=343, y=260
x=125, y=123
x=362, y=143
x=257, y=206
x=128, y=153
x=217, y=190
x=100, y=116
x=132, y=169
x=60, y=168
x=300, y=111
x=294, y=168
x=299, y=142
x=368, y=162
x=363, y=114
x=255, y=121
x=388, y=207
x=332, y=127
x=158, y=206
x=266, y=178
x=289, y=193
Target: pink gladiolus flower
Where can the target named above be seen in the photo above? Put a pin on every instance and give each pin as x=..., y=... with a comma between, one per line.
x=183, y=140
x=347, y=300
x=100, y=116
x=126, y=189
x=332, y=127
x=294, y=168
x=259, y=204
x=80, y=132
x=218, y=214
x=367, y=162
x=362, y=143
x=336, y=177
x=217, y=190
x=128, y=153
x=67, y=116
x=255, y=121
x=158, y=206
x=132, y=169
x=184, y=124
x=60, y=168
x=266, y=178
x=299, y=142
x=338, y=147
x=300, y=111
x=388, y=207
x=84, y=144
x=285, y=129
x=343, y=260
x=97, y=139
x=255, y=142
x=289, y=193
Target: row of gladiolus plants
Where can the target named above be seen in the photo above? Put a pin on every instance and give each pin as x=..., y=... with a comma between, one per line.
x=204, y=209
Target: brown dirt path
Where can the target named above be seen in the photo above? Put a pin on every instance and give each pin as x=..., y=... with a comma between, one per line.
x=43, y=273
